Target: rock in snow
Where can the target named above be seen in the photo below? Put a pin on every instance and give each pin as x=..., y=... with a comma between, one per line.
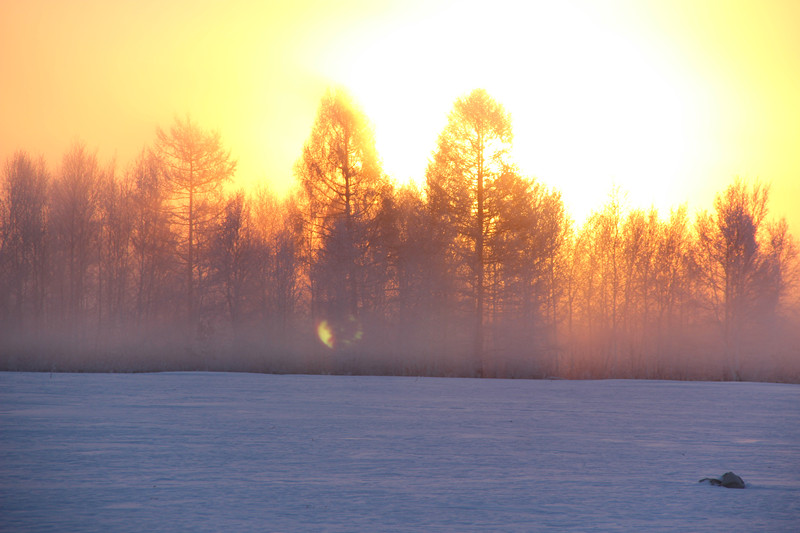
x=729, y=480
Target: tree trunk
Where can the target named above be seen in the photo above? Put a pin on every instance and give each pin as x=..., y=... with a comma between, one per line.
x=479, y=334
x=190, y=259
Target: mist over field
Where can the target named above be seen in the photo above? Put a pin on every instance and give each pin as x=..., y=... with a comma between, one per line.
x=159, y=266
x=388, y=350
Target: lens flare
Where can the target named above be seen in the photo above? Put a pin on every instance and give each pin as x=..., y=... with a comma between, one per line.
x=325, y=334
x=340, y=333
x=352, y=332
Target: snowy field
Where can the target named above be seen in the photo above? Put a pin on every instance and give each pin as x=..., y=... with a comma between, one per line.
x=245, y=452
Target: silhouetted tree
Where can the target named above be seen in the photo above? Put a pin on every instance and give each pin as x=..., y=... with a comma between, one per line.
x=641, y=231
x=672, y=281
x=196, y=166
x=728, y=249
x=410, y=248
x=416, y=307
x=522, y=244
x=233, y=255
x=734, y=265
x=278, y=226
x=116, y=228
x=472, y=153
x=778, y=270
x=23, y=202
x=342, y=181
x=153, y=242
x=75, y=227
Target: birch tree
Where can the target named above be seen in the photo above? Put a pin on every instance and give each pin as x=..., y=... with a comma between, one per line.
x=23, y=207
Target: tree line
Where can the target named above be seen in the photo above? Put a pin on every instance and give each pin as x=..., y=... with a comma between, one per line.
x=480, y=272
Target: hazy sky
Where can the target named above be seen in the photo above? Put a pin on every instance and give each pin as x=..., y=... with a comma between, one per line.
x=669, y=99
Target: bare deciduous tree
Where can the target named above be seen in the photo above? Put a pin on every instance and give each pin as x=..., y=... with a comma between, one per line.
x=233, y=255
x=739, y=263
x=196, y=166
x=75, y=227
x=153, y=242
x=23, y=202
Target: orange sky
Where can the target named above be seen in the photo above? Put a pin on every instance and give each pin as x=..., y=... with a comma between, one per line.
x=668, y=99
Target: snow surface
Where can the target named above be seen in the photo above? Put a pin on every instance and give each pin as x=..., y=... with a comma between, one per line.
x=247, y=452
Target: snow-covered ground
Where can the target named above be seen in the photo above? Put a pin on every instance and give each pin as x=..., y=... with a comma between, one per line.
x=245, y=452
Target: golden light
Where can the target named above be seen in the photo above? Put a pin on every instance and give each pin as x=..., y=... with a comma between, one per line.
x=669, y=100
x=340, y=333
x=325, y=333
x=600, y=95
x=589, y=107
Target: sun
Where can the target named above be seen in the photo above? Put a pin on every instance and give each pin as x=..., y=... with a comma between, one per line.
x=590, y=108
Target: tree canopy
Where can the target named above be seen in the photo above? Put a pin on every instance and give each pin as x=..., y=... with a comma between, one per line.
x=196, y=166
x=481, y=272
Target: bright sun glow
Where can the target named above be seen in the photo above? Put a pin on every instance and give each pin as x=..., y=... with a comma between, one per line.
x=668, y=100
x=594, y=103
x=588, y=108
